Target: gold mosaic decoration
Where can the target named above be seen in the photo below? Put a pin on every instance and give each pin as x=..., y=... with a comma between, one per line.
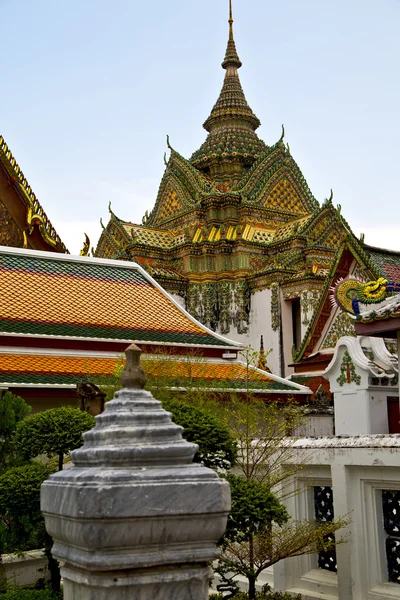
x=283, y=196
x=258, y=234
x=10, y=235
x=170, y=207
x=290, y=228
x=150, y=237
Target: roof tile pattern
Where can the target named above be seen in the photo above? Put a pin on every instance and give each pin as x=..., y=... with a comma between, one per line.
x=388, y=263
x=85, y=299
x=70, y=370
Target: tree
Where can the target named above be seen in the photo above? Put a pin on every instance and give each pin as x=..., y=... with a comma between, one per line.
x=54, y=431
x=12, y=410
x=265, y=457
x=217, y=447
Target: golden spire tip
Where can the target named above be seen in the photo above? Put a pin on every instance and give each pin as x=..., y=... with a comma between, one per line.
x=230, y=20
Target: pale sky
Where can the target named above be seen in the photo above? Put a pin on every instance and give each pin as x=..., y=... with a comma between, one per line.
x=90, y=88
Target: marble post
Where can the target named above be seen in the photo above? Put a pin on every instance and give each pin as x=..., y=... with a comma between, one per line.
x=134, y=517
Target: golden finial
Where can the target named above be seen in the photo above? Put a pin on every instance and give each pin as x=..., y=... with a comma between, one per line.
x=230, y=21
x=86, y=246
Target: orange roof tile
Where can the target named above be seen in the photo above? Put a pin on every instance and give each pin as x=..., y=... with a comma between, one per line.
x=92, y=298
x=51, y=369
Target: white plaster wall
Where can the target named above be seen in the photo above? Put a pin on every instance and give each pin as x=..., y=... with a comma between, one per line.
x=359, y=408
x=358, y=469
x=179, y=299
x=317, y=425
x=260, y=324
x=25, y=570
x=352, y=413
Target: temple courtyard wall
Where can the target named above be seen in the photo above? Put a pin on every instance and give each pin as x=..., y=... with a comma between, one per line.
x=356, y=477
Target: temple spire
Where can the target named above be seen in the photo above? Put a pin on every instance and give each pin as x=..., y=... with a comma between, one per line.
x=231, y=124
x=231, y=56
x=230, y=21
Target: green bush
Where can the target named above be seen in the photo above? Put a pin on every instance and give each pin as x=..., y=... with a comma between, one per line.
x=263, y=595
x=31, y=595
x=53, y=431
x=21, y=521
x=12, y=410
x=217, y=447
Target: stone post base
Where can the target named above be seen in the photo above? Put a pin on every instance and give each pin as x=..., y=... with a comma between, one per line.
x=186, y=582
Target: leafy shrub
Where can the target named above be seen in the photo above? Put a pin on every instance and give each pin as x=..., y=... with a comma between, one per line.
x=217, y=447
x=254, y=507
x=31, y=595
x=21, y=521
x=54, y=431
x=12, y=410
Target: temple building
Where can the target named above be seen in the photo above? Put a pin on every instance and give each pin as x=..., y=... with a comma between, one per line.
x=237, y=237
x=67, y=320
x=23, y=222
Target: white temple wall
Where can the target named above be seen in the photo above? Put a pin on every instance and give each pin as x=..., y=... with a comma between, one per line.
x=179, y=299
x=361, y=412
x=260, y=325
x=360, y=398
x=357, y=469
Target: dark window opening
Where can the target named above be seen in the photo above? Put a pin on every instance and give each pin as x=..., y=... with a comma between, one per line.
x=391, y=523
x=323, y=506
x=393, y=410
x=296, y=322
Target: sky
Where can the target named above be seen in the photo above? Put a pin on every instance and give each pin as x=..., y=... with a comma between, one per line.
x=89, y=89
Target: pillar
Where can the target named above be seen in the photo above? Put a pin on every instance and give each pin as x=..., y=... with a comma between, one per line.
x=134, y=517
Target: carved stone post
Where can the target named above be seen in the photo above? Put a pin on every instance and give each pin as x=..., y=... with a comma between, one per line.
x=135, y=517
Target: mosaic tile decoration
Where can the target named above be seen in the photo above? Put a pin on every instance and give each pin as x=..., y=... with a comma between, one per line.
x=388, y=263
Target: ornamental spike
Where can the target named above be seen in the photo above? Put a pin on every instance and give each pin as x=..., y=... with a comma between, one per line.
x=283, y=134
x=230, y=21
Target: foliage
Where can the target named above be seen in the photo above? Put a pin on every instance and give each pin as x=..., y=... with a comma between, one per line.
x=21, y=594
x=12, y=410
x=254, y=508
x=217, y=448
x=20, y=517
x=265, y=594
x=54, y=431
x=266, y=456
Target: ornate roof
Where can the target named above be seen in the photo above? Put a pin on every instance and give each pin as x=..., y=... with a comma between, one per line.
x=34, y=213
x=386, y=261
x=58, y=295
x=231, y=124
x=41, y=368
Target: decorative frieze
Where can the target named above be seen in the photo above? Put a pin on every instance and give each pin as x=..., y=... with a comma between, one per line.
x=342, y=325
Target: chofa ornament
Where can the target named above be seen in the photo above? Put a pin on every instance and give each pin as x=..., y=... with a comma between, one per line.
x=350, y=293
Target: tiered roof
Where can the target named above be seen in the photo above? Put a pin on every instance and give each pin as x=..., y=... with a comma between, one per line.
x=66, y=296
x=67, y=319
